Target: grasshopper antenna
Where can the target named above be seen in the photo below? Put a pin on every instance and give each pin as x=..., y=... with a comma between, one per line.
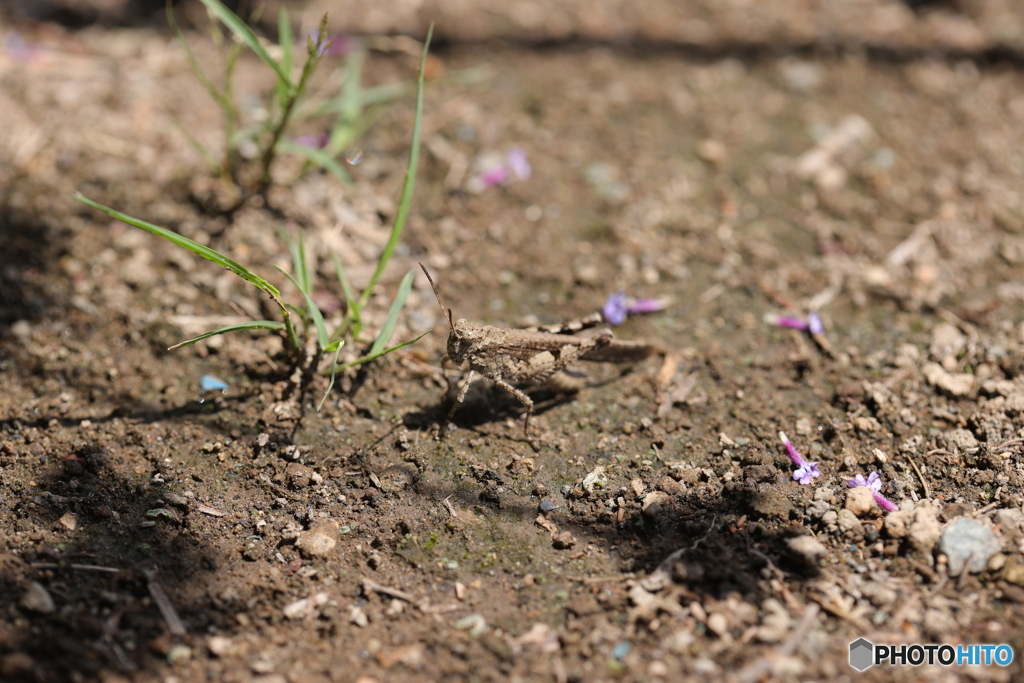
x=447, y=312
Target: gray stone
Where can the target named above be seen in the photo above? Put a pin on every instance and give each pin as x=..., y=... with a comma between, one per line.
x=967, y=543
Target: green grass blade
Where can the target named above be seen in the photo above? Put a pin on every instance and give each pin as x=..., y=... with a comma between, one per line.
x=396, y=307
x=317, y=157
x=314, y=313
x=410, y=181
x=246, y=35
x=252, y=325
x=286, y=39
x=184, y=242
x=374, y=356
x=301, y=270
x=334, y=371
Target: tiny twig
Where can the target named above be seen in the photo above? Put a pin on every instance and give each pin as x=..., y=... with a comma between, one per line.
x=167, y=611
x=369, y=585
x=79, y=567
x=924, y=483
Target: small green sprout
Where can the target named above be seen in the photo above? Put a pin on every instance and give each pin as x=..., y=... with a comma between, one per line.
x=311, y=318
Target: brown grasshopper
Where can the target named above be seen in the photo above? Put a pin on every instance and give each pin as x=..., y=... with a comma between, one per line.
x=505, y=356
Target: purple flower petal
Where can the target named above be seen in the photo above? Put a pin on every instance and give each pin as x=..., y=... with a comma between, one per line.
x=806, y=471
x=814, y=324
x=885, y=503
x=518, y=164
x=615, y=308
x=646, y=306
x=494, y=176
x=786, y=321
x=874, y=483
x=806, y=474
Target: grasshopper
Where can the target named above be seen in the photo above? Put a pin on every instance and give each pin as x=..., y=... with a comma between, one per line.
x=507, y=356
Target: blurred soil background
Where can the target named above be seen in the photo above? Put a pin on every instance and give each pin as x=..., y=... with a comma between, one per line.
x=862, y=160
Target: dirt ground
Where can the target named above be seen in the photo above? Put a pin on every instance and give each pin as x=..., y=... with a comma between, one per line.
x=150, y=531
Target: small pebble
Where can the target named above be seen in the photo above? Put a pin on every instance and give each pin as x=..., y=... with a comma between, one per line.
x=718, y=624
x=967, y=543
x=808, y=548
x=621, y=649
x=859, y=501
x=37, y=599
x=546, y=506
x=925, y=530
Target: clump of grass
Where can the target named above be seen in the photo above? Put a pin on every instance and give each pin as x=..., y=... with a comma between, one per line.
x=304, y=327
x=347, y=112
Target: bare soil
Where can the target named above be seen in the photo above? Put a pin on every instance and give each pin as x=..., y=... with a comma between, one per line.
x=151, y=531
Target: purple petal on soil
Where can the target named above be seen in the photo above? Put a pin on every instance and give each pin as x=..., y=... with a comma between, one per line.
x=786, y=321
x=806, y=474
x=646, y=306
x=806, y=471
x=494, y=176
x=885, y=503
x=814, y=324
x=518, y=164
x=874, y=483
x=615, y=309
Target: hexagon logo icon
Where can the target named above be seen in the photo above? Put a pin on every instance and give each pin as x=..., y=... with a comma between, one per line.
x=862, y=654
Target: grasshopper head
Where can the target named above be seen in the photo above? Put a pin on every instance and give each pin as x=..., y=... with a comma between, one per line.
x=459, y=344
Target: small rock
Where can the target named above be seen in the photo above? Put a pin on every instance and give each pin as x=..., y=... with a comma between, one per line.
x=947, y=340
x=962, y=439
x=583, y=606
x=179, y=653
x=953, y=384
x=817, y=509
x=925, y=530
x=319, y=541
x=848, y=523
x=357, y=616
x=967, y=543
x=770, y=504
x=69, y=521
x=718, y=624
x=298, y=609
x=824, y=493
x=563, y=540
x=299, y=476
x=808, y=548
x=37, y=599
x=654, y=502
x=878, y=594
x=220, y=646
x=897, y=523
x=1010, y=519
x=1013, y=572
x=546, y=506
x=668, y=485
x=474, y=623
x=859, y=501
